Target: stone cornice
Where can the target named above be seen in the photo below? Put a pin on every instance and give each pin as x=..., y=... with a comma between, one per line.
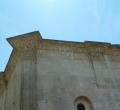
x=78, y=47
x=25, y=41
x=34, y=40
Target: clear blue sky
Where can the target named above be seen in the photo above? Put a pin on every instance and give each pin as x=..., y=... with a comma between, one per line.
x=74, y=20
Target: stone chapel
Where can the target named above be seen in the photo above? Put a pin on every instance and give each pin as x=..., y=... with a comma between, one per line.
x=44, y=74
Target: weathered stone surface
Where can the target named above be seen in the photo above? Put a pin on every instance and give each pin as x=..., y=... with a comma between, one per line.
x=52, y=75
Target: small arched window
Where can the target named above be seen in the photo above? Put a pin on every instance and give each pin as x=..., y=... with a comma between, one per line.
x=80, y=106
x=83, y=103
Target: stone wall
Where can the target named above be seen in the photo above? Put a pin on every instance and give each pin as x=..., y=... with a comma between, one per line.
x=54, y=75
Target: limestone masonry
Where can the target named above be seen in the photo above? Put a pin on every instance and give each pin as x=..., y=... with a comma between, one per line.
x=46, y=74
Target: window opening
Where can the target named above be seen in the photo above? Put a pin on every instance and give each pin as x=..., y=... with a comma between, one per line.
x=80, y=107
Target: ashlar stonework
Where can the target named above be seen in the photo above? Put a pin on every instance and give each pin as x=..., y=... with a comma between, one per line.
x=47, y=74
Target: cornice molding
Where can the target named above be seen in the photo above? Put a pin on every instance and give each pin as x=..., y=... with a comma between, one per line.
x=25, y=41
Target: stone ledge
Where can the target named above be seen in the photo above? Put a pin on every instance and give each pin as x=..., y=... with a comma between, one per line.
x=25, y=41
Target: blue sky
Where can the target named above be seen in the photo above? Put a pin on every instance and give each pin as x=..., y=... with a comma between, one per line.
x=72, y=20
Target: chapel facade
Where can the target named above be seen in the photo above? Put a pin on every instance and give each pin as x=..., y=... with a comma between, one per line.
x=44, y=74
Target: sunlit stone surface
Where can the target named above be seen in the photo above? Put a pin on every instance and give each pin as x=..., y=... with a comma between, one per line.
x=57, y=75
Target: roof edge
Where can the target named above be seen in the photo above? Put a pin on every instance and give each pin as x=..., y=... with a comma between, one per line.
x=25, y=39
